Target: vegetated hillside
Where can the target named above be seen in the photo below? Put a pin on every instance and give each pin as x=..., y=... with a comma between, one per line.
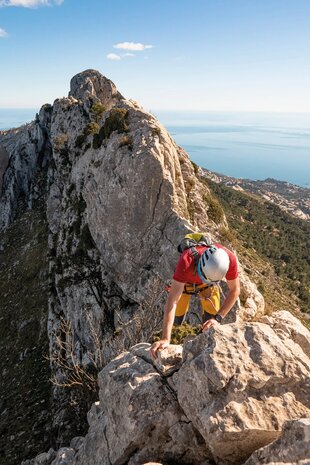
x=265, y=234
x=25, y=390
x=293, y=199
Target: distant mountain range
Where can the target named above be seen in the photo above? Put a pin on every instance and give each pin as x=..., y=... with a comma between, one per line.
x=289, y=197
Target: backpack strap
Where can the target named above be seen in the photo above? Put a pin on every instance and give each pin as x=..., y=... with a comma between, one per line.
x=186, y=243
x=191, y=241
x=196, y=257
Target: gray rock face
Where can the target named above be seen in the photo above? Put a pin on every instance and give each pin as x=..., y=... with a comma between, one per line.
x=29, y=151
x=91, y=84
x=253, y=379
x=292, y=447
x=4, y=161
x=235, y=391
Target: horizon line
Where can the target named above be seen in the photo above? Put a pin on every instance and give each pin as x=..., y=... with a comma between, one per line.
x=192, y=110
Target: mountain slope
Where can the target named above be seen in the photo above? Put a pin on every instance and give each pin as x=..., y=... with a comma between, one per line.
x=266, y=235
x=25, y=391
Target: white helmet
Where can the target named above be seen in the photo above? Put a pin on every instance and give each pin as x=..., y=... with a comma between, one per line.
x=213, y=264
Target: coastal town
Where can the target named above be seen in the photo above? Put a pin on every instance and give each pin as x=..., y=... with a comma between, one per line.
x=292, y=199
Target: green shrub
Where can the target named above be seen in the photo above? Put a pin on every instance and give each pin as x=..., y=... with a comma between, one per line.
x=116, y=121
x=91, y=128
x=215, y=211
x=227, y=234
x=156, y=131
x=179, y=333
x=97, y=110
x=126, y=140
x=60, y=142
x=196, y=167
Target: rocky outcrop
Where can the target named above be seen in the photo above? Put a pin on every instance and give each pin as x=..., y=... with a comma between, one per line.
x=293, y=446
x=237, y=386
x=92, y=86
x=29, y=152
x=120, y=196
x=254, y=376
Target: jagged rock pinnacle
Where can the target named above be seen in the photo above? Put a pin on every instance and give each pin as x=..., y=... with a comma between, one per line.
x=91, y=83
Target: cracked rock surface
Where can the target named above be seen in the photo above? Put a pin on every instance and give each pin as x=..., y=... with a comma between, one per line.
x=238, y=386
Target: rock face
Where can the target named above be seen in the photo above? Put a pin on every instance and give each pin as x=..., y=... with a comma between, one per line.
x=255, y=377
x=120, y=196
x=292, y=447
x=4, y=161
x=29, y=151
x=92, y=85
x=236, y=389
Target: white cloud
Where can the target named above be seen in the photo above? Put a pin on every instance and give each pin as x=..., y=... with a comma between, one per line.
x=3, y=33
x=113, y=57
x=30, y=3
x=134, y=46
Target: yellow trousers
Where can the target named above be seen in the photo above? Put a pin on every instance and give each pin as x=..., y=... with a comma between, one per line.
x=209, y=297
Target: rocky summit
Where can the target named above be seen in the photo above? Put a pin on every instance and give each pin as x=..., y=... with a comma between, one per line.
x=224, y=399
x=97, y=195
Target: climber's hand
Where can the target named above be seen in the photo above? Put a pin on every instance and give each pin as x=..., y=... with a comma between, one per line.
x=158, y=346
x=208, y=324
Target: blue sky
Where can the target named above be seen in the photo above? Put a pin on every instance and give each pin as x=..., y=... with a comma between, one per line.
x=225, y=55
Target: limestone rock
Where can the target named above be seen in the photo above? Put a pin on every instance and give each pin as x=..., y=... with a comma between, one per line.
x=42, y=459
x=239, y=384
x=254, y=304
x=64, y=456
x=287, y=327
x=91, y=83
x=292, y=447
x=138, y=418
x=29, y=151
x=169, y=360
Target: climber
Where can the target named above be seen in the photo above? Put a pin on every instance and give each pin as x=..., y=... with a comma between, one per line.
x=200, y=268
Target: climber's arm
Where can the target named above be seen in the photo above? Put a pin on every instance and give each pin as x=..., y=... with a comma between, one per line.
x=230, y=300
x=169, y=313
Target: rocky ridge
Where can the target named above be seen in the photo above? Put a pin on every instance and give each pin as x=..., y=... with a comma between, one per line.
x=228, y=394
x=120, y=194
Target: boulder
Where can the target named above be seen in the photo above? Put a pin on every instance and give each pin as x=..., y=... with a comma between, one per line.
x=91, y=84
x=292, y=447
x=240, y=382
x=138, y=419
x=234, y=390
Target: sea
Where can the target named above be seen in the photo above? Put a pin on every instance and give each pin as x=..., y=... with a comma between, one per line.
x=239, y=144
